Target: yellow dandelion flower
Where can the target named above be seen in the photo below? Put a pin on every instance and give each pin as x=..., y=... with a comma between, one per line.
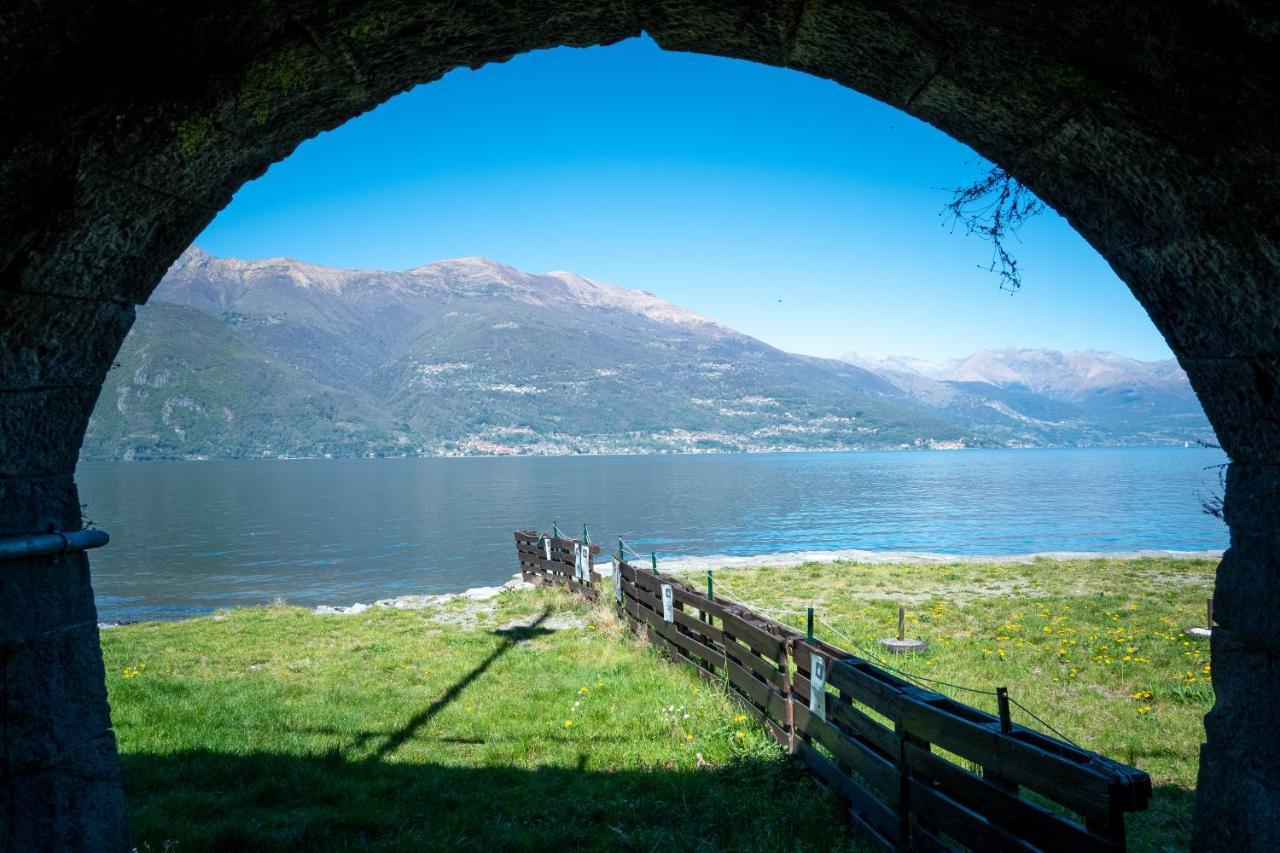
x=568, y=724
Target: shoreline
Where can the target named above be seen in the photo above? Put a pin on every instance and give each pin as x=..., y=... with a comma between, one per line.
x=482, y=596
x=790, y=559
x=625, y=453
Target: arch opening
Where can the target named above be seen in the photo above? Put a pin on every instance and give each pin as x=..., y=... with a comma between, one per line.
x=1178, y=194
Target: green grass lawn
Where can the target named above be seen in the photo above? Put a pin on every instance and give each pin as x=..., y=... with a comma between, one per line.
x=537, y=723
x=274, y=728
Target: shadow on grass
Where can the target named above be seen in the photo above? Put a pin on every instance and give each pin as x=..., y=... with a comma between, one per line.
x=511, y=637
x=207, y=799
x=210, y=801
x=215, y=801
x=1166, y=824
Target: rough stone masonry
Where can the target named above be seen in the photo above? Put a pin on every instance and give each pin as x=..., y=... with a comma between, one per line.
x=126, y=126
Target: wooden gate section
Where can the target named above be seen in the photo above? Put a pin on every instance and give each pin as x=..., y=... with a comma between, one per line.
x=561, y=566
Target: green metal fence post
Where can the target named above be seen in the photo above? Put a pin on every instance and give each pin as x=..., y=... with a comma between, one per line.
x=653, y=558
x=621, y=556
x=810, y=631
x=711, y=587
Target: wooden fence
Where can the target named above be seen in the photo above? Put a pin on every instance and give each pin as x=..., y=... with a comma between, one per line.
x=918, y=770
x=546, y=559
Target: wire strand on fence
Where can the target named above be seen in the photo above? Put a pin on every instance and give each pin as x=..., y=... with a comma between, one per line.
x=627, y=549
x=857, y=646
x=1040, y=720
x=919, y=679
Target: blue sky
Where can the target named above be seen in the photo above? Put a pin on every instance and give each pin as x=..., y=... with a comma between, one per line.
x=790, y=208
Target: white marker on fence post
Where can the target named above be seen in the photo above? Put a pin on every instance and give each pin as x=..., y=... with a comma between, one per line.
x=818, y=687
x=546, y=547
x=617, y=580
x=668, y=603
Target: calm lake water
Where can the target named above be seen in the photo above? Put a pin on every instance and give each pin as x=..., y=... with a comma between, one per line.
x=187, y=537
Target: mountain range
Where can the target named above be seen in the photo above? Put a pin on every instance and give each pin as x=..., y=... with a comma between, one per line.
x=280, y=358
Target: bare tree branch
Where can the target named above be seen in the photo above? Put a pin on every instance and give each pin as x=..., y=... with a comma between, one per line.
x=994, y=207
x=1214, y=504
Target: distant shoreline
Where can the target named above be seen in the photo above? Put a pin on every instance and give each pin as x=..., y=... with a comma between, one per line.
x=624, y=454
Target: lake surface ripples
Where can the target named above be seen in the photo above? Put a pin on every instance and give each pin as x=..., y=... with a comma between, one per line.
x=188, y=537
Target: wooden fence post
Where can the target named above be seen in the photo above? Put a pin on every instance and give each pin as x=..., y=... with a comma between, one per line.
x=788, y=656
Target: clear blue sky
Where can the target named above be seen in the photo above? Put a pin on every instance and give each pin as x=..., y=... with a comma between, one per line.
x=790, y=208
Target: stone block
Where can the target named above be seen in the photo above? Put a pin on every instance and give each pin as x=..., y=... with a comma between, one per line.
x=75, y=805
x=44, y=594
x=37, y=504
x=760, y=32
x=41, y=430
x=1239, y=806
x=55, y=341
x=56, y=697
x=1241, y=397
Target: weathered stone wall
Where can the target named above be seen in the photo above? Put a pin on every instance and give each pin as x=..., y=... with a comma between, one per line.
x=1153, y=128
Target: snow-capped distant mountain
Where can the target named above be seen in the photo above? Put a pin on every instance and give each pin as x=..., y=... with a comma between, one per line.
x=1060, y=393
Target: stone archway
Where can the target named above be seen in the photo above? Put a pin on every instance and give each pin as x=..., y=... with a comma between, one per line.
x=1154, y=131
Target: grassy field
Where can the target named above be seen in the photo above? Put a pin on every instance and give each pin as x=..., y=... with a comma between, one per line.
x=534, y=722
x=535, y=725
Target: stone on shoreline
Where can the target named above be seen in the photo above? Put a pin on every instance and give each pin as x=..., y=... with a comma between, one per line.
x=421, y=602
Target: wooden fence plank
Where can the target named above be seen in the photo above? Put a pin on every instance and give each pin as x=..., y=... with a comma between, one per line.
x=851, y=721
x=1078, y=786
x=669, y=632
x=856, y=679
x=761, y=641
x=879, y=820
x=971, y=829
x=757, y=691
x=1045, y=829
x=879, y=772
